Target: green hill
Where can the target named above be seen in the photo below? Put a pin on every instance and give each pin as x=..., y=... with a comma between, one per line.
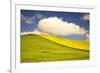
x=35, y=48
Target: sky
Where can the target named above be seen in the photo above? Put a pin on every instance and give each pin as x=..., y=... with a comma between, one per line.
x=32, y=20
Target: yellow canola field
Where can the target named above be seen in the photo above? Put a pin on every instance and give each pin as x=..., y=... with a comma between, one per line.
x=78, y=44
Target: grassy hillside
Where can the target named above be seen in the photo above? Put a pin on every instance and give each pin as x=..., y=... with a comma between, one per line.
x=79, y=44
x=36, y=48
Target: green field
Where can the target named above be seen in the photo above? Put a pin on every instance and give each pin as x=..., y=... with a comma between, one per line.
x=41, y=48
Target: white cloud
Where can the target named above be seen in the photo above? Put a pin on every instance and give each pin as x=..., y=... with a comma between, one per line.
x=36, y=31
x=57, y=26
x=86, y=17
x=88, y=36
x=28, y=20
x=39, y=16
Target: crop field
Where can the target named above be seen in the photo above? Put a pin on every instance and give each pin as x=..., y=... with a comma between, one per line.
x=46, y=48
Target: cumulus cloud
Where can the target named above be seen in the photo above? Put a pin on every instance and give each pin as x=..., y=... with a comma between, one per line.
x=57, y=26
x=86, y=17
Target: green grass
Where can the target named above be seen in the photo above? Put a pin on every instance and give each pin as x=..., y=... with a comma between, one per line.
x=35, y=48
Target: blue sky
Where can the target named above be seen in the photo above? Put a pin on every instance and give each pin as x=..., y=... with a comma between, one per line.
x=30, y=19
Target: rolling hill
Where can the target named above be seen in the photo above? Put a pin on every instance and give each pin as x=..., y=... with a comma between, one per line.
x=79, y=44
x=43, y=48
